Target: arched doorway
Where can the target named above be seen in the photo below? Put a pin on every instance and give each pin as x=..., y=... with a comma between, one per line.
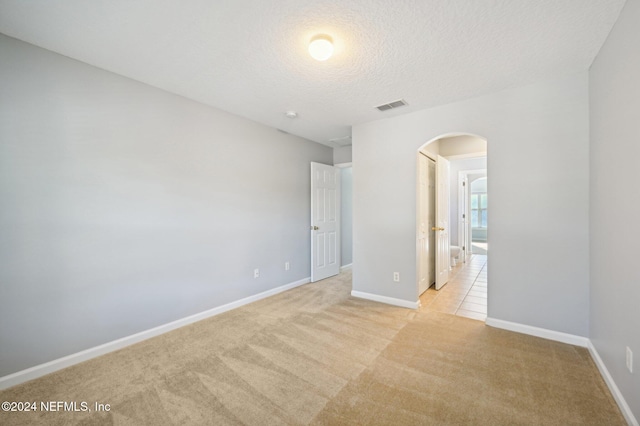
x=447, y=269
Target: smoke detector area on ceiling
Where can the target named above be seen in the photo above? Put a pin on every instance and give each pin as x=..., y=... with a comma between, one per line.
x=291, y=114
x=391, y=105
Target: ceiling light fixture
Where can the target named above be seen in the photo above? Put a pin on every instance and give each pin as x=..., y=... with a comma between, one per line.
x=291, y=114
x=321, y=47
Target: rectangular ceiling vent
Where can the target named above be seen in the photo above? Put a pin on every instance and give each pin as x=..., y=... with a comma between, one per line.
x=392, y=105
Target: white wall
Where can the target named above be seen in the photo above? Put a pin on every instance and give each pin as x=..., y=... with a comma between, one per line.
x=539, y=221
x=615, y=202
x=125, y=207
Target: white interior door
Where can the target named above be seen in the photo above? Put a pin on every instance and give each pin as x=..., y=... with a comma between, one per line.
x=432, y=221
x=424, y=229
x=325, y=221
x=442, y=222
x=426, y=220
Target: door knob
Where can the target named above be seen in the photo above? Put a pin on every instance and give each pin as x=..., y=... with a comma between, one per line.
x=436, y=228
x=314, y=228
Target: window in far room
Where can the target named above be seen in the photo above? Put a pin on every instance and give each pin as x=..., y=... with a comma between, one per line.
x=479, y=210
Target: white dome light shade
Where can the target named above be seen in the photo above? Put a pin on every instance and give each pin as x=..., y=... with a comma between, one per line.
x=321, y=47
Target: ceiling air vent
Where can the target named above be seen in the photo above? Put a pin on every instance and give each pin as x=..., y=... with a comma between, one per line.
x=392, y=105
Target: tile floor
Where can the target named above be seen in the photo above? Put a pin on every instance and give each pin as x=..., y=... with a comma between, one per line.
x=465, y=294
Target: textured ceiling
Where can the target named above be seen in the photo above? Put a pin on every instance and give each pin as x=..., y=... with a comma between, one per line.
x=249, y=57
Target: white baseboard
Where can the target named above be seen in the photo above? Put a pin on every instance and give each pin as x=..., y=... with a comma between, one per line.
x=577, y=341
x=617, y=395
x=342, y=268
x=76, y=358
x=558, y=336
x=385, y=299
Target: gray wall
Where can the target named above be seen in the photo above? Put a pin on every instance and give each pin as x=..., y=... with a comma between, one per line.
x=342, y=155
x=125, y=207
x=346, y=216
x=541, y=127
x=615, y=202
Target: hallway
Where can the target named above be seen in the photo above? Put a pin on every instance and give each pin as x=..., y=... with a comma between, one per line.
x=465, y=294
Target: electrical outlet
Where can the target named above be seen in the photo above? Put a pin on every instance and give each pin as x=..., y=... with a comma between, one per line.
x=287, y=266
x=629, y=360
x=396, y=277
x=256, y=273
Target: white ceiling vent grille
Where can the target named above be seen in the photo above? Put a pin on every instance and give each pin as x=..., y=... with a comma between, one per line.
x=392, y=105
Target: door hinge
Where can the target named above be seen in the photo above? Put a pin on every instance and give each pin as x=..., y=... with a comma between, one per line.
x=464, y=215
x=463, y=248
x=464, y=183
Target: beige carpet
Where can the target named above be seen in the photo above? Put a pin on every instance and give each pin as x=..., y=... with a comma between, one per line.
x=315, y=355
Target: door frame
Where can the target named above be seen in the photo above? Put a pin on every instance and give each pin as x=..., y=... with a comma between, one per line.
x=464, y=174
x=341, y=166
x=462, y=219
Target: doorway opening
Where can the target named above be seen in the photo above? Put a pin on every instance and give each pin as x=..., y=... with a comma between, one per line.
x=473, y=200
x=479, y=214
x=452, y=224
